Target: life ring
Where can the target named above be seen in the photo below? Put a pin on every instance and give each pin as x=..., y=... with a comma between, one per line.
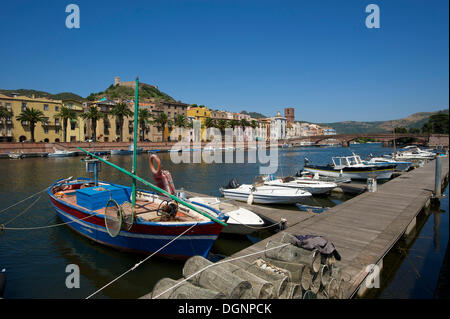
x=153, y=156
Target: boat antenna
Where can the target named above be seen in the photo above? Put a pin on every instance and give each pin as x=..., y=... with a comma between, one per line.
x=133, y=169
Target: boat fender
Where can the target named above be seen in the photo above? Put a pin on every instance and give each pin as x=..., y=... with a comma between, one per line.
x=59, y=194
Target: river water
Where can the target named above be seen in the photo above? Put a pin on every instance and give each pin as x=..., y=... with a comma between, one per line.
x=35, y=260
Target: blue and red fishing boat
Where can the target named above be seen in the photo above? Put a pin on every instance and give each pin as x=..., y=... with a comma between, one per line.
x=122, y=217
x=92, y=210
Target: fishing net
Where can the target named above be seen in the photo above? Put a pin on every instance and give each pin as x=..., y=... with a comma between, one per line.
x=113, y=218
x=127, y=215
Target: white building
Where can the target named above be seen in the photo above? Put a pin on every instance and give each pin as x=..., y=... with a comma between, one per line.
x=278, y=127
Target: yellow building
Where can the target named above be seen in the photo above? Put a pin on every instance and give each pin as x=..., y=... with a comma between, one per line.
x=75, y=128
x=201, y=114
x=13, y=130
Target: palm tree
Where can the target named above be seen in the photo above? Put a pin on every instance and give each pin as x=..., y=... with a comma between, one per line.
x=4, y=114
x=32, y=116
x=209, y=122
x=94, y=115
x=121, y=110
x=162, y=120
x=222, y=125
x=181, y=121
x=244, y=123
x=144, y=117
x=66, y=114
x=234, y=123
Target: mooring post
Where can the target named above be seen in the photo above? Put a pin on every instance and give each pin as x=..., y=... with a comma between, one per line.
x=437, y=177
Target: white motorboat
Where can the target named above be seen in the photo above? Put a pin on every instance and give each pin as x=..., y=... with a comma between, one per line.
x=315, y=187
x=308, y=176
x=240, y=221
x=15, y=155
x=401, y=166
x=351, y=167
x=412, y=153
x=264, y=194
x=61, y=153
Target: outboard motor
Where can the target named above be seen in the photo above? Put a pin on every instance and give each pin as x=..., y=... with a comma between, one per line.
x=232, y=184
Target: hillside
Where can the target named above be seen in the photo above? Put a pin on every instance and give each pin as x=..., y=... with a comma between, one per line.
x=30, y=93
x=415, y=120
x=127, y=93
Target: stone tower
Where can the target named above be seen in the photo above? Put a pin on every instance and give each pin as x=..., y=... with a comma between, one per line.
x=116, y=80
x=289, y=114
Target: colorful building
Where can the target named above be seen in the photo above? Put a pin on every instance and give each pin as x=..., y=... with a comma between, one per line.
x=13, y=130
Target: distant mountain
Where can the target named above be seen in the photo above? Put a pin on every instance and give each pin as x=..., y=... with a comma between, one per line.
x=256, y=115
x=415, y=120
x=30, y=93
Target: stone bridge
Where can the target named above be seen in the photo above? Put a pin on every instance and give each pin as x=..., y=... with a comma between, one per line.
x=386, y=138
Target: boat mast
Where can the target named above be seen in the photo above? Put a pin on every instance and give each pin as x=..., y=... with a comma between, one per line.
x=395, y=149
x=133, y=169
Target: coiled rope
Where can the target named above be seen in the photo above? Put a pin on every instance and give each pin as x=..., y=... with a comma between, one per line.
x=142, y=261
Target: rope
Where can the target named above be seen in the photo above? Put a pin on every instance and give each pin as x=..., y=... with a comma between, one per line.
x=5, y=209
x=2, y=227
x=23, y=212
x=215, y=264
x=144, y=260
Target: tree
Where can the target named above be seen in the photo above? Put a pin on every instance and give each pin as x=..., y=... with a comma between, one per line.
x=222, y=125
x=233, y=123
x=4, y=114
x=93, y=114
x=32, y=116
x=162, y=120
x=181, y=121
x=437, y=123
x=66, y=114
x=400, y=130
x=244, y=123
x=209, y=122
x=414, y=130
x=121, y=110
x=144, y=117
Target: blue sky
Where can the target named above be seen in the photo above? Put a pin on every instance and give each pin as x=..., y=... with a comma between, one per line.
x=262, y=56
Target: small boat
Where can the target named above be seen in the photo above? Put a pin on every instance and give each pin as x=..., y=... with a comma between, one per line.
x=350, y=167
x=153, y=151
x=62, y=153
x=240, y=220
x=128, y=151
x=87, y=208
x=312, y=209
x=315, y=187
x=401, y=166
x=412, y=153
x=308, y=176
x=263, y=194
x=16, y=155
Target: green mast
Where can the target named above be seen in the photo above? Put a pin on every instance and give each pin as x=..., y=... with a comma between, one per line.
x=133, y=169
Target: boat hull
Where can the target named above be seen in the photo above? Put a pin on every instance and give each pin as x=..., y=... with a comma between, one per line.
x=353, y=173
x=261, y=198
x=145, y=237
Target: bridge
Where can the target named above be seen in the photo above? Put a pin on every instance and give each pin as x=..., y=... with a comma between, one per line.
x=385, y=138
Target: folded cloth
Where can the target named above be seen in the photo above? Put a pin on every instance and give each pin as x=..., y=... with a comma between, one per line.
x=311, y=242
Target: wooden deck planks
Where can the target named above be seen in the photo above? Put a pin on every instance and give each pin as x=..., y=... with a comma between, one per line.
x=366, y=227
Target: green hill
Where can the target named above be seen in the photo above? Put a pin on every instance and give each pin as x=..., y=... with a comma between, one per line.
x=415, y=120
x=127, y=93
x=30, y=93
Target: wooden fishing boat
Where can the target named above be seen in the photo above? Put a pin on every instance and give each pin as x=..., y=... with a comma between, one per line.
x=157, y=219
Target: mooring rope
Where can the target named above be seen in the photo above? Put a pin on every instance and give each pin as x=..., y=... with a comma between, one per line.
x=23, y=200
x=23, y=212
x=218, y=263
x=2, y=226
x=142, y=261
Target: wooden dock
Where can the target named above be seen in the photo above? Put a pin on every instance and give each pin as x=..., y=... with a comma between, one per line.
x=364, y=228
